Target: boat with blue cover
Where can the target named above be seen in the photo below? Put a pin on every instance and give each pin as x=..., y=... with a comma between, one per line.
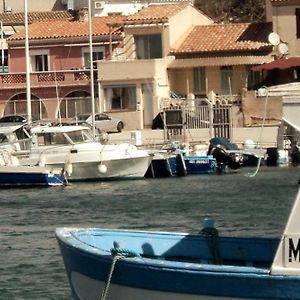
x=131, y=264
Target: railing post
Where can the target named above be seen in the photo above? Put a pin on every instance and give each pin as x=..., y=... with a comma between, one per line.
x=211, y=119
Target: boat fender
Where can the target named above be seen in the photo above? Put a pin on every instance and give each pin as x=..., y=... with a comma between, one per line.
x=42, y=161
x=69, y=168
x=102, y=168
x=6, y=158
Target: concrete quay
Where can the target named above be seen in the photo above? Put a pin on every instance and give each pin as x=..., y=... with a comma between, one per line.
x=148, y=137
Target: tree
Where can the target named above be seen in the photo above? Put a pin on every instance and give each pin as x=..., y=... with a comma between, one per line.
x=228, y=11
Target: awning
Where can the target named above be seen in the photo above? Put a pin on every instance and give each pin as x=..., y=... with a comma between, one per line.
x=283, y=63
x=295, y=126
x=218, y=61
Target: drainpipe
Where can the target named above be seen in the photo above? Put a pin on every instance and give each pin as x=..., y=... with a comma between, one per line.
x=110, y=43
x=2, y=47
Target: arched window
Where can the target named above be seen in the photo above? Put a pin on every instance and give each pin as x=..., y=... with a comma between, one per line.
x=76, y=103
x=18, y=105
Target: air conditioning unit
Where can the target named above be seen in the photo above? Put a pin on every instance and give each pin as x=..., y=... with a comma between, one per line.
x=99, y=4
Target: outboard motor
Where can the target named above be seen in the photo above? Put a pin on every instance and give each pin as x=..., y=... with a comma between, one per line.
x=219, y=147
x=295, y=153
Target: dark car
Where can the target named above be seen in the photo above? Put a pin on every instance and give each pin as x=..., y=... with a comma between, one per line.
x=15, y=119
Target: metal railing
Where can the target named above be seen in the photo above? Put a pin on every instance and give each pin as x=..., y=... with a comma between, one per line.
x=183, y=114
x=47, y=77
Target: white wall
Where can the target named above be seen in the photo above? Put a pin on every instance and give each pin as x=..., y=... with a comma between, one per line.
x=33, y=5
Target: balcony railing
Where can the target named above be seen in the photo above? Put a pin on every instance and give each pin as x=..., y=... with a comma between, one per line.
x=37, y=79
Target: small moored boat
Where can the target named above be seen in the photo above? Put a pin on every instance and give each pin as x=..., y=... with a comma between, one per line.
x=179, y=160
x=128, y=264
x=13, y=174
x=74, y=149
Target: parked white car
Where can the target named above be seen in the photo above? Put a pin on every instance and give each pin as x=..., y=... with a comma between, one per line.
x=102, y=121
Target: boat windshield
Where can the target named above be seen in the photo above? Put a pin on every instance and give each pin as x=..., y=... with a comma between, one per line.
x=80, y=136
x=64, y=138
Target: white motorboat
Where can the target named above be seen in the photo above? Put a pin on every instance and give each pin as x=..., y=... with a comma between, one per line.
x=74, y=149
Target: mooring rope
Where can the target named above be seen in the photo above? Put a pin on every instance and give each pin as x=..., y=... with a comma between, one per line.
x=117, y=254
x=260, y=136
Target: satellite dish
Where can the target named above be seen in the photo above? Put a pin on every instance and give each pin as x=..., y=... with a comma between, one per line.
x=274, y=38
x=283, y=48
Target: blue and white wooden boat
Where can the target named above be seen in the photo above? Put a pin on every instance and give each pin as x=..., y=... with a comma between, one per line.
x=179, y=161
x=30, y=176
x=163, y=164
x=196, y=164
x=13, y=174
x=181, y=165
x=127, y=264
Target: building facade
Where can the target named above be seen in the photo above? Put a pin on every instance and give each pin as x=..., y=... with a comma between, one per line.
x=144, y=59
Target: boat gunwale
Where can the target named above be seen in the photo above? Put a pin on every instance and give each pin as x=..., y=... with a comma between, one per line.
x=69, y=237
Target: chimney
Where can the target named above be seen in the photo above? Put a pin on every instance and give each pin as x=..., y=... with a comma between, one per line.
x=83, y=14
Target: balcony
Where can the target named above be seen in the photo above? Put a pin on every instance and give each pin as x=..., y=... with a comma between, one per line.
x=133, y=69
x=45, y=79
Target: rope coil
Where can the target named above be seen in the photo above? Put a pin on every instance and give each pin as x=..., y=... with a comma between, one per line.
x=117, y=254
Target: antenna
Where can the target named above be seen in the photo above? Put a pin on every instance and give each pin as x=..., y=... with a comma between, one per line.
x=274, y=38
x=283, y=48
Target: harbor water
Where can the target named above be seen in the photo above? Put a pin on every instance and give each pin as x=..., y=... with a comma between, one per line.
x=31, y=266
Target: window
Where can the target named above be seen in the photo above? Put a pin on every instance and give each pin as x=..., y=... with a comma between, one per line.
x=298, y=22
x=226, y=80
x=102, y=117
x=254, y=79
x=77, y=103
x=120, y=98
x=148, y=46
x=98, y=54
x=296, y=74
x=39, y=61
x=199, y=80
x=17, y=106
x=4, y=61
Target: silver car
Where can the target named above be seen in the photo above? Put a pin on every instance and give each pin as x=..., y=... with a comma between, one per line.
x=102, y=121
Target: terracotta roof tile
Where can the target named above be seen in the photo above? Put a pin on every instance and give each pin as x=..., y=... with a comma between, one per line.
x=18, y=18
x=55, y=29
x=226, y=38
x=156, y=12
